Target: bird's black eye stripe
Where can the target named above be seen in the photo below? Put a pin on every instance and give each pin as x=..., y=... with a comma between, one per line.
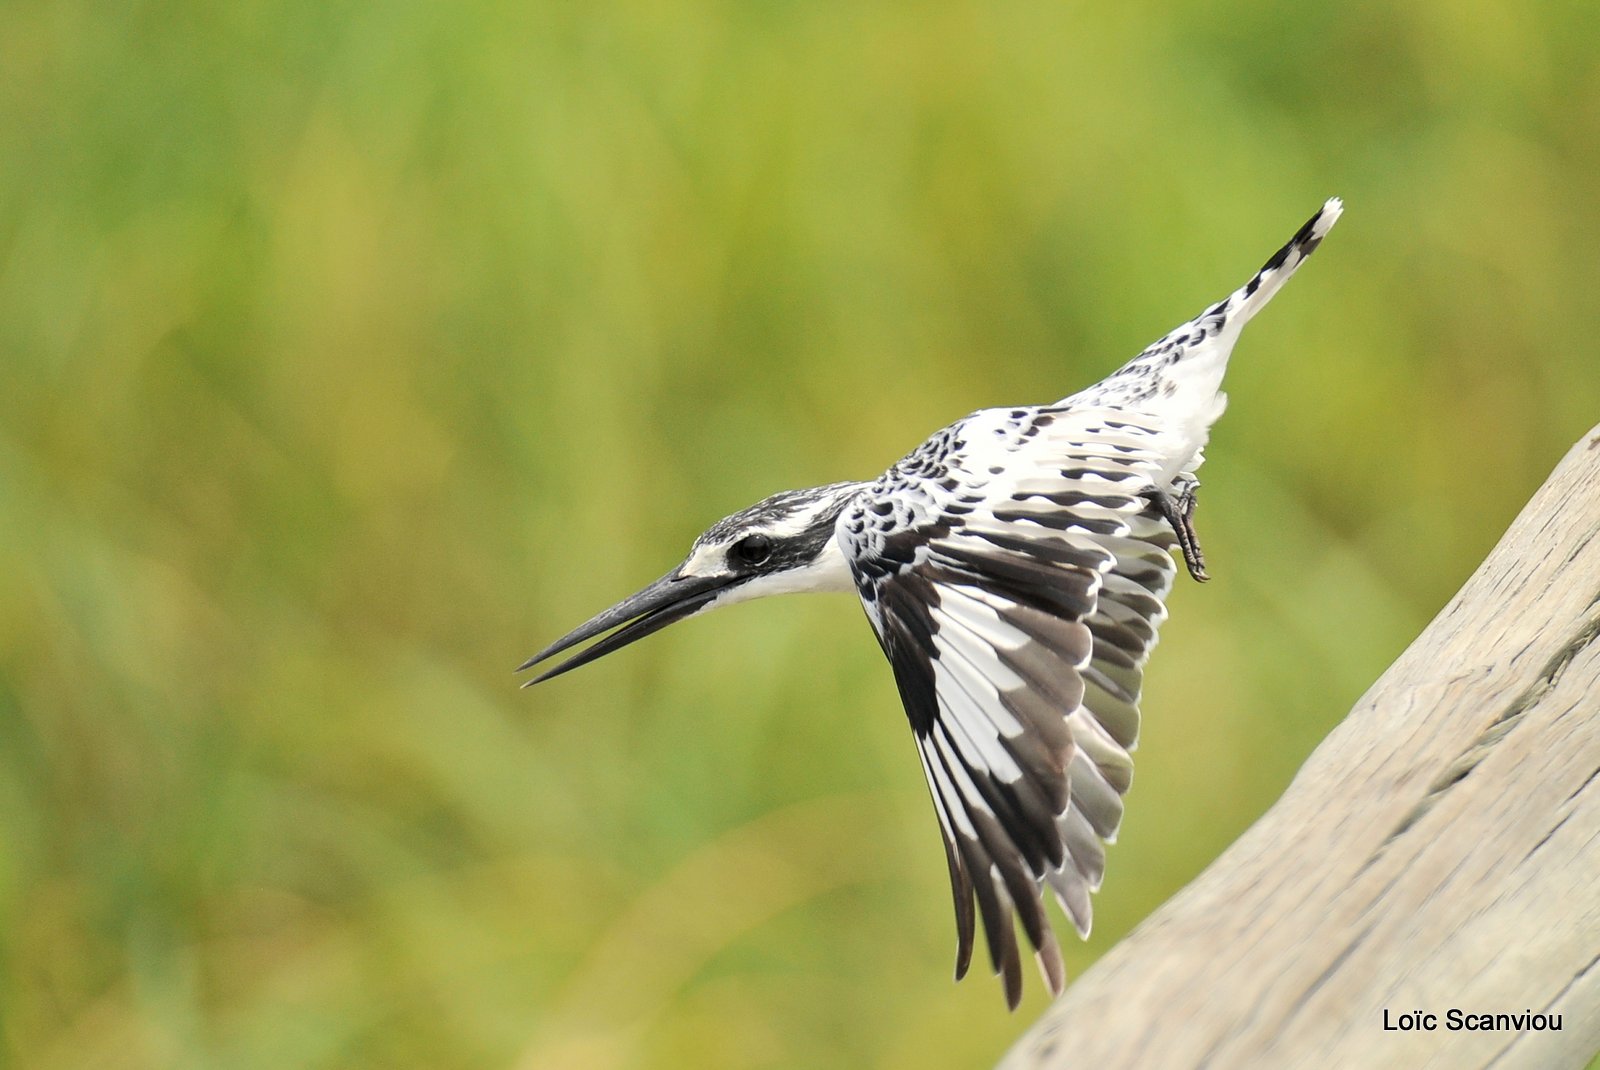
x=751, y=550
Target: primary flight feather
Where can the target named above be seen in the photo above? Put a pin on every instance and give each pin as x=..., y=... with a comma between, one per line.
x=1015, y=568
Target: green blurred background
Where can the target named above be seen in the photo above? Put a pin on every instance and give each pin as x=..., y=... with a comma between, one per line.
x=351, y=352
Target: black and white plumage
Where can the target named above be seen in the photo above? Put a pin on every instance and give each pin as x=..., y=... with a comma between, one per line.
x=1015, y=568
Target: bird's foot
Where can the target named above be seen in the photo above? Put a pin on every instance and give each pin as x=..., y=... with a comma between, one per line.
x=1179, y=512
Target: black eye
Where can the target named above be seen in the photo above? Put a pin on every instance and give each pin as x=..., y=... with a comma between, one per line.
x=750, y=550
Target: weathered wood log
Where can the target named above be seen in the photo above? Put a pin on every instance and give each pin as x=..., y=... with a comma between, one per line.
x=1439, y=851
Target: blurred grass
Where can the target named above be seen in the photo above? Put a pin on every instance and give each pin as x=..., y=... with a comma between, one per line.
x=351, y=352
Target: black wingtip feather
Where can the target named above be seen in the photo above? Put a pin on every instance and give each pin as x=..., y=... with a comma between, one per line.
x=961, y=892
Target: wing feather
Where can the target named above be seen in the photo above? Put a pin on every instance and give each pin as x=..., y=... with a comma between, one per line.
x=1018, y=616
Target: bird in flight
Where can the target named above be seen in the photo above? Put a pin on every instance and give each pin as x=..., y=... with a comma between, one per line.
x=1014, y=567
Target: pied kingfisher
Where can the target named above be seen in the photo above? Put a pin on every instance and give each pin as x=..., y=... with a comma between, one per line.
x=1014, y=568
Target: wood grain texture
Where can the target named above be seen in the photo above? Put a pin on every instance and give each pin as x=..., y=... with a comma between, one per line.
x=1440, y=849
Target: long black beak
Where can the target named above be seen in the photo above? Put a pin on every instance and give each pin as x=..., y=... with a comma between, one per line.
x=671, y=598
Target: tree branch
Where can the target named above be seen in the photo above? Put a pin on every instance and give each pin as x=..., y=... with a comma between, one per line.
x=1439, y=850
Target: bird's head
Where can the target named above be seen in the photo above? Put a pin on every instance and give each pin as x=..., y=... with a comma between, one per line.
x=780, y=545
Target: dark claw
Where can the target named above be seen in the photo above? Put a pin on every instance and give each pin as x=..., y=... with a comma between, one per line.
x=1179, y=512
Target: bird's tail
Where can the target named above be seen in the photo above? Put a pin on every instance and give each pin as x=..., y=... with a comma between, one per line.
x=1179, y=378
x=1249, y=299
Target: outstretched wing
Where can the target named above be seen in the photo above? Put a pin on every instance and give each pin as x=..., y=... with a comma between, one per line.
x=1017, y=612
